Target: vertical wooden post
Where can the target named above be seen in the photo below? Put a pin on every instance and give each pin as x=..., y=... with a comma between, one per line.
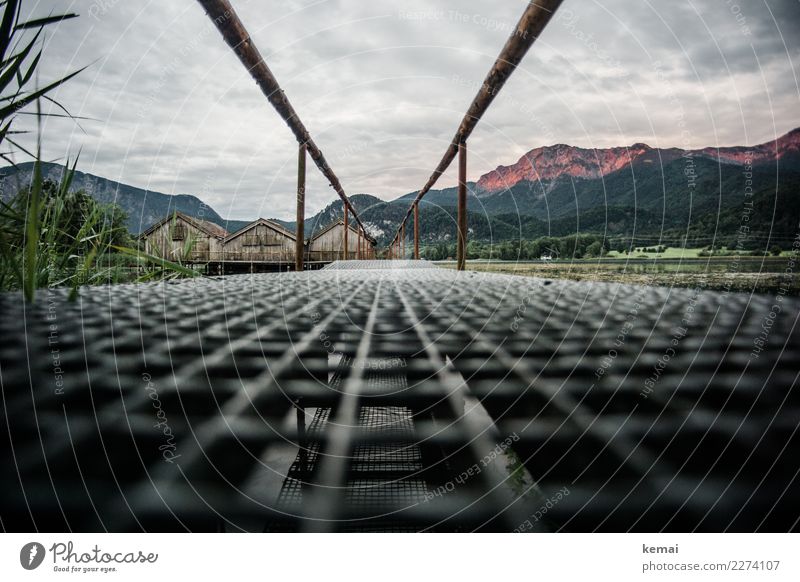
x=346, y=232
x=416, y=231
x=299, y=247
x=461, y=251
x=403, y=240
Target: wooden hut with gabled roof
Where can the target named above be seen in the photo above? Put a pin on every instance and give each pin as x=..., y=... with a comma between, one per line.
x=179, y=236
x=327, y=245
x=262, y=245
x=261, y=241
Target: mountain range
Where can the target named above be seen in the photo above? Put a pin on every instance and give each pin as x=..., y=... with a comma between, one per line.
x=559, y=161
x=554, y=190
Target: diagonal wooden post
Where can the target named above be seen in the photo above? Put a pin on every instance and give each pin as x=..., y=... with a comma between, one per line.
x=234, y=33
x=461, y=252
x=528, y=29
x=299, y=247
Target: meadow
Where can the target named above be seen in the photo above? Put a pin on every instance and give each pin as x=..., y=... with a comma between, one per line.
x=729, y=273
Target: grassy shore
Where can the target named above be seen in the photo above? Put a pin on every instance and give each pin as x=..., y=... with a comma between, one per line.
x=746, y=274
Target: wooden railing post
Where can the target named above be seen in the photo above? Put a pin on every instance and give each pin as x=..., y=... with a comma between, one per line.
x=416, y=231
x=403, y=240
x=461, y=253
x=299, y=247
x=346, y=232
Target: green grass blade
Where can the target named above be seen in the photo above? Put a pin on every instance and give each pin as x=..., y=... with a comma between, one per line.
x=45, y=21
x=30, y=264
x=163, y=263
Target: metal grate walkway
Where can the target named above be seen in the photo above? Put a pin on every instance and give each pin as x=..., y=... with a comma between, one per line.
x=397, y=399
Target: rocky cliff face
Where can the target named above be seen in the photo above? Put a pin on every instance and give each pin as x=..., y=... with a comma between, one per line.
x=786, y=146
x=552, y=162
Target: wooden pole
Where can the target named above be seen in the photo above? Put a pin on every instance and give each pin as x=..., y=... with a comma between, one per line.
x=346, y=232
x=299, y=247
x=403, y=242
x=461, y=252
x=416, y=231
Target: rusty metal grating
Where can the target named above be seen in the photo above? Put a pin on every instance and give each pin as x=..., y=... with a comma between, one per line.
x=430, y=400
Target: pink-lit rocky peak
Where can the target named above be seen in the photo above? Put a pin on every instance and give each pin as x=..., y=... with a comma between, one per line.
x=551, y=162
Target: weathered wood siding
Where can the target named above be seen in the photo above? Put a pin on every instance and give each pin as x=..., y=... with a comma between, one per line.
x=260, y=243
x=170, y=239
x=329, y=246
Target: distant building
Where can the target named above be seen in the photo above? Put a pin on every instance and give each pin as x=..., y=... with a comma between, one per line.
x=261, y=241
x=328, y=244
x=261, y=244
x=185, y=238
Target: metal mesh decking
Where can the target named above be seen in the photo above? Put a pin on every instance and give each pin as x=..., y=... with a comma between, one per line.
x=388, y=399
x=378, y=264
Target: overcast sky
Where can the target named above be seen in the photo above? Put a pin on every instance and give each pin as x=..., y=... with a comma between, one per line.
x=382, y=86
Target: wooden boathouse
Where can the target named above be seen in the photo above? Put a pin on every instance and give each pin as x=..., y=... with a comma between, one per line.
x=328, y=244
x=179, y=237
x=262, y=245
x=261, y=241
